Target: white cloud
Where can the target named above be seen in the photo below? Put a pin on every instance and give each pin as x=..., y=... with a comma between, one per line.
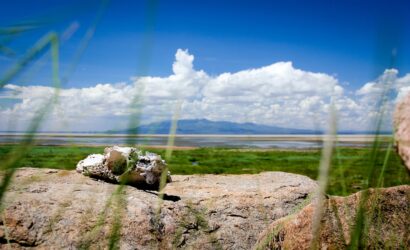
x=385, y=91
x=403, y=92
x=277, y=94
x=385, y=82
x=403, y=86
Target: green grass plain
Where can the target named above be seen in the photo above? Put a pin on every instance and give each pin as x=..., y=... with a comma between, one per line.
x=349, y=170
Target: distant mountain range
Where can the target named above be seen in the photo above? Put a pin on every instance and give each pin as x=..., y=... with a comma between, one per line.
x=203, y=126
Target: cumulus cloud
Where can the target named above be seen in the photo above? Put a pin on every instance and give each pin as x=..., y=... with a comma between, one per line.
x=403, y=86
x=278, y=94
x=388, y=82
x=381, y=95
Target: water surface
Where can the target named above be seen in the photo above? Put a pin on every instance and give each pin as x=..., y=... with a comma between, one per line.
x=238, y=141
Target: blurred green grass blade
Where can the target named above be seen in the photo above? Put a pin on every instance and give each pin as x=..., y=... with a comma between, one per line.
x=385, y=162
x=85, y=41
x=32, y=53
x=6, y=51
x=16, y=155
x=168, y=154
x=323, y=178
x=143, y=62
x=5, y=182
x=83, y=44
x=120, y=204
x=341, y=170
x=17, y=29
x=357, y=232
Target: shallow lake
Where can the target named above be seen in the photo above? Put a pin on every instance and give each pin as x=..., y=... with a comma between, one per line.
x=238, y=141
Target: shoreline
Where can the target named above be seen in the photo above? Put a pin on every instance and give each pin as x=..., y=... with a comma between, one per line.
x=225, y=147
x=267, y=137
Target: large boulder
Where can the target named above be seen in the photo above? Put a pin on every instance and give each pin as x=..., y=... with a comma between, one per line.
x=402, y=129
x=385, y=223
x=125, y=165
x=57, y=209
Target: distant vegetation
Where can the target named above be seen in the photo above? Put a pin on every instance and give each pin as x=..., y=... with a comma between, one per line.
x=349, y=169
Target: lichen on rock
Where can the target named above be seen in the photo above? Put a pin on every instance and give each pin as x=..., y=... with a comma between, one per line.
x=125, y=165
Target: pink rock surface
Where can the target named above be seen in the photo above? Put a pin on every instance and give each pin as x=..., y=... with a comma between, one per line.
x=57, y=209
x=402, y=129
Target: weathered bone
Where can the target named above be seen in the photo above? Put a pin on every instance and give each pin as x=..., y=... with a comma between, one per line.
x=125, y=164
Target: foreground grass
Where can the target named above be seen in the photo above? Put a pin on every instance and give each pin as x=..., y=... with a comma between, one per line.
x=348, y=174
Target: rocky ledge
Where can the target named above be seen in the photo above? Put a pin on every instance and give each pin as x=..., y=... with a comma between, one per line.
x=57, y=209
x=384, y=219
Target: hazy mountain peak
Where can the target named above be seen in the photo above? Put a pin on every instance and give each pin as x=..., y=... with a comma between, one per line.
x=204, y=126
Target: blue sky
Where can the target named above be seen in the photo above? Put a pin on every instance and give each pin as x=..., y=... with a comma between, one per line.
x=353, y=41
